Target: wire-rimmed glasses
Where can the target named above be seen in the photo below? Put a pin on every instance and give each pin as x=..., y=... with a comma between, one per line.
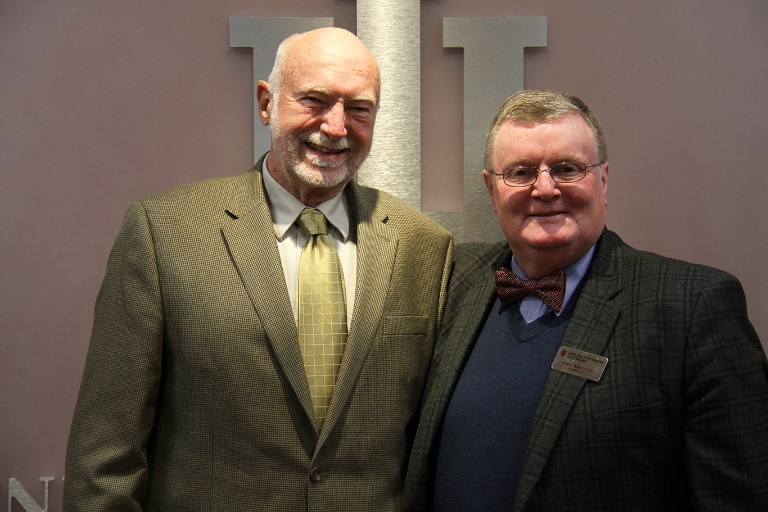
x=563, y=172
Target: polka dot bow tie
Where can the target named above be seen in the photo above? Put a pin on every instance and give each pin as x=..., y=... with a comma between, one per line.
x=550, y=288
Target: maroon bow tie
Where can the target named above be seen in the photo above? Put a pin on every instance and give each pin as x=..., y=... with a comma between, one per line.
x=550, y=288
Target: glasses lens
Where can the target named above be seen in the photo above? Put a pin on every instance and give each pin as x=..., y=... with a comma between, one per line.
x=567, y=172
x=520, y=176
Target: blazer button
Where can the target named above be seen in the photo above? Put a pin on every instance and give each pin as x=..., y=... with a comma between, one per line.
x=315, y=475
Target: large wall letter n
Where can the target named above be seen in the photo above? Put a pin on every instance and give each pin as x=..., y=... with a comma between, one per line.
x=16, y=490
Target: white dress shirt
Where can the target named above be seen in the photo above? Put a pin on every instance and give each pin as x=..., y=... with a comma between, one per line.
x=291, y=238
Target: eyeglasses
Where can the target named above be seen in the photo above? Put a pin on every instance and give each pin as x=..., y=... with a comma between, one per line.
x=564, y=172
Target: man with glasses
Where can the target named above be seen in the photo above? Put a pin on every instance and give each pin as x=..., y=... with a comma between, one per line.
x=574, y=372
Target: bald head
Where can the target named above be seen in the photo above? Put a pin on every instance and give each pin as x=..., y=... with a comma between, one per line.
x=330, y=42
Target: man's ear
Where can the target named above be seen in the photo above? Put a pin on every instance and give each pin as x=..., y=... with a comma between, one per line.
x=489, y=179
x=264, y=101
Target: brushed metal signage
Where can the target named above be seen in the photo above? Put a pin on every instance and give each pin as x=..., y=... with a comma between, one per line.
x=493, y=69
x=19, y=493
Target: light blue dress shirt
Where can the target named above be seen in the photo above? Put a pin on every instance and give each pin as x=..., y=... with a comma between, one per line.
x=531, y=306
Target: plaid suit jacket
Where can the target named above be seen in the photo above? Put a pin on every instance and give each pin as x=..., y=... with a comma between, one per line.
x=679, y=420
x=194, y=395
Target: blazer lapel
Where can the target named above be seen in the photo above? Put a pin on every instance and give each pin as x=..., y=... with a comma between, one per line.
x=376, y=252
x=471, y=293
x=251, y=242
x=466, y=318
x=589, y=330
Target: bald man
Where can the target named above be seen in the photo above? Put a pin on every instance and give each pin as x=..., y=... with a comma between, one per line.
x=204, y=386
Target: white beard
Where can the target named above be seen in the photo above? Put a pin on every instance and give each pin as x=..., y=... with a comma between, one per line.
x=333, y=173
x=318, y=171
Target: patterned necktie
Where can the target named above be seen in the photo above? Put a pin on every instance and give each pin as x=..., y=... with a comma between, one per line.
x=322, y=312
x=550, y=289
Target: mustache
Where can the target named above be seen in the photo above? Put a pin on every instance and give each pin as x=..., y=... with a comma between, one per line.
x=322, y=140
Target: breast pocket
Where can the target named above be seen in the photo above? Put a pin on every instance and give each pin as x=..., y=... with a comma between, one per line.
x=400, y=355
x=641, y=421
x=404, y=326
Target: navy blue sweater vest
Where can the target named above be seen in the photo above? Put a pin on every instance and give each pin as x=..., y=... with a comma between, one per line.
x=489, y=418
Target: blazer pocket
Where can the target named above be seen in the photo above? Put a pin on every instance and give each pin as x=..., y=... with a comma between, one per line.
x=637, y=418
x=404, y=326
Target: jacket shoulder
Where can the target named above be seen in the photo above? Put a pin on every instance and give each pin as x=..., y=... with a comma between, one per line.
x=474, y=258
x=398, y=214
x=214, y=190
x=646, y=263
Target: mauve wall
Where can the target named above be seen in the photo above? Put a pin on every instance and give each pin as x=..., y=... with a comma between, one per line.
x=102, y=102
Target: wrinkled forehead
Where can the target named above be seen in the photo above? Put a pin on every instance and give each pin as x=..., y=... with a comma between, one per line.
x=566, y=137
x=332, y=63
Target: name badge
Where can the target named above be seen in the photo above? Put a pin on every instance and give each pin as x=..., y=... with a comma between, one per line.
x=582, y=364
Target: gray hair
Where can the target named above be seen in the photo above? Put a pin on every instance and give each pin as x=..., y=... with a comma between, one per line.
x=538, y=106
x=276, y=77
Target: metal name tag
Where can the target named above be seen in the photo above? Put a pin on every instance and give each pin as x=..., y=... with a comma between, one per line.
x=581, y=364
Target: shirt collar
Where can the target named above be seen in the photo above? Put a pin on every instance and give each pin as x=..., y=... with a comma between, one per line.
x=285, y=208
x=575, y=274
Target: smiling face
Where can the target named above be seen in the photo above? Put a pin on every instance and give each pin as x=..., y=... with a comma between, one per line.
x=322, y=118
x=548, y=225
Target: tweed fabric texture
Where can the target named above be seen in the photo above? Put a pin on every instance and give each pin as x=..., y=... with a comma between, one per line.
x=678, y=420
x=322, y=311
x=194, y=395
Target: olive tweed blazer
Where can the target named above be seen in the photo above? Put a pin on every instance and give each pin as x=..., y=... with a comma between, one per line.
x=679, y=419
x=194, y=395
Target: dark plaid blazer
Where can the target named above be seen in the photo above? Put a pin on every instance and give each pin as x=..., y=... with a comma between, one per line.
x=194, y=395
x=679, y=420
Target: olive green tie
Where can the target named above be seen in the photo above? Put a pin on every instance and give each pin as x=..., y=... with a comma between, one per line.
x=322, y=312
